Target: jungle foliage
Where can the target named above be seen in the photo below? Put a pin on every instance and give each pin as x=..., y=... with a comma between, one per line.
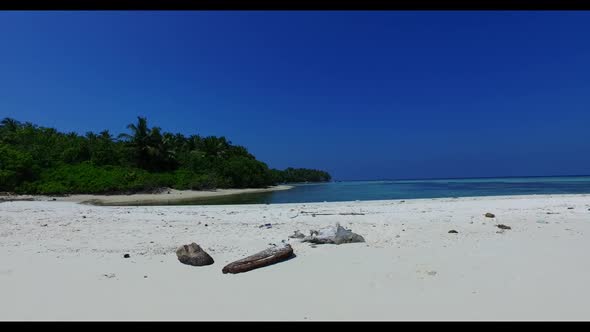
x=39, y=160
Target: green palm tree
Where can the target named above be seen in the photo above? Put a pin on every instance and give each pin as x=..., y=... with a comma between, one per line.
x=215, y=146
x=139, y=132
x=140, y=141
x=10, y=124
x=152, y=150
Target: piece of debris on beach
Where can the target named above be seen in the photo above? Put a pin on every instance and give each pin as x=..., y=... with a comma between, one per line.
x=297, y=235
x=452, y=231
x=264, y=258
x=194, y=255
x=490, y=215
x=502, y=226
x=333, y=235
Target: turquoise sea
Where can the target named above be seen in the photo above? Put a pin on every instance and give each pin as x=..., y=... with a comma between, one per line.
x=408, y=189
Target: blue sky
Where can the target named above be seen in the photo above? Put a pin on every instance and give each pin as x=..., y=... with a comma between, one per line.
x=364, y=95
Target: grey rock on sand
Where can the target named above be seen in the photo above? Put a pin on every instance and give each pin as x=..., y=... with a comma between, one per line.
x=334, y=235
x=194, y=255
x=490, y=215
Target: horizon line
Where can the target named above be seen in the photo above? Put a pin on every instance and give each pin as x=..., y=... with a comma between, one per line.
x=466, y=178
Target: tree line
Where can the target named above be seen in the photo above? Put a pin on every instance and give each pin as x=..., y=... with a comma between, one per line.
x=39, y=160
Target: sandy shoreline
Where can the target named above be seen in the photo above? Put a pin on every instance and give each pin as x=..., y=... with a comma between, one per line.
x=64, y=261
x=169, y=196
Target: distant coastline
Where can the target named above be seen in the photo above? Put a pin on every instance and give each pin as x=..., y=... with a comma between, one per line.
x=167, y=197
x=335, y=192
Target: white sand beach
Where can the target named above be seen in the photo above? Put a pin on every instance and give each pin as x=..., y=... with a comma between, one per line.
x=64, y=261
x=167, y=196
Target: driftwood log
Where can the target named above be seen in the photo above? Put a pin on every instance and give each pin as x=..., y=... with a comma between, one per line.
x=261, y=259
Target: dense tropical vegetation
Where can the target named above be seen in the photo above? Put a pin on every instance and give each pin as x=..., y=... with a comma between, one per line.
x=39, y=160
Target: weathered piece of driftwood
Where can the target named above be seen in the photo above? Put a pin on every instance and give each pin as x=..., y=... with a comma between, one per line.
x=334, y=214
x=313, y=214
x=261, y=259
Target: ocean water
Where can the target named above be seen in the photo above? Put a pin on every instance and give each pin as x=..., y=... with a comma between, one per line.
x=408, y=189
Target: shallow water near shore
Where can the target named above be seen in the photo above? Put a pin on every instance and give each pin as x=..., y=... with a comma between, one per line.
x=407, y=189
